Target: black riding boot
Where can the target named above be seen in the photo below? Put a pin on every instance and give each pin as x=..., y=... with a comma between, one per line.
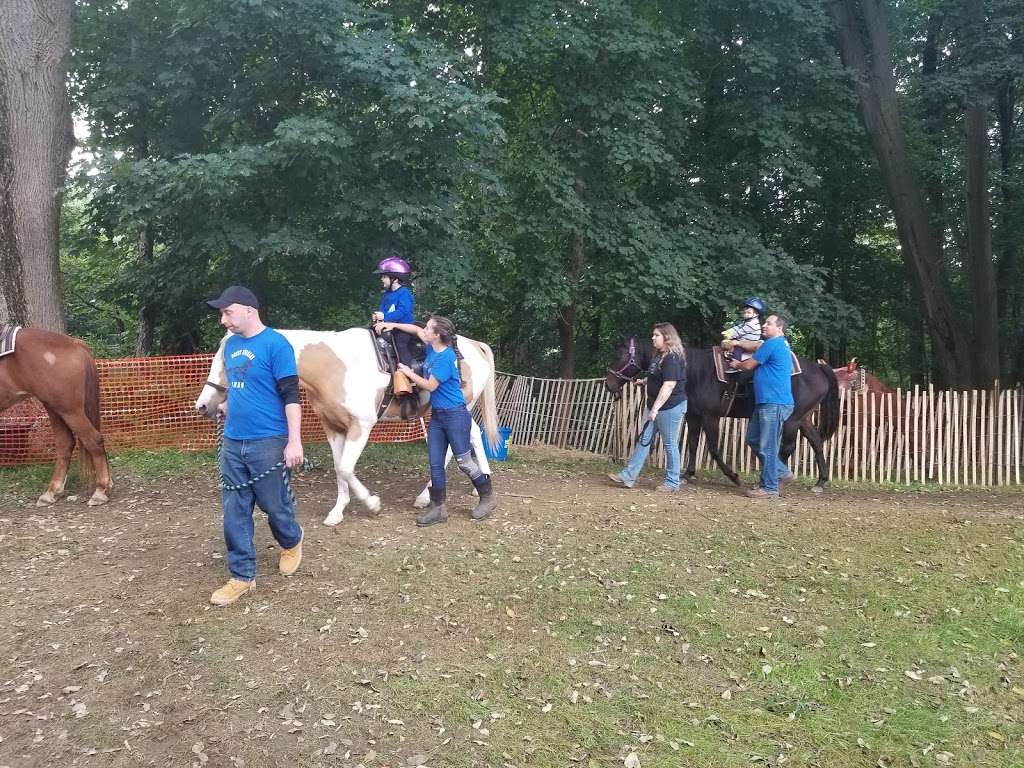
x=438, y=511
x=487, y=502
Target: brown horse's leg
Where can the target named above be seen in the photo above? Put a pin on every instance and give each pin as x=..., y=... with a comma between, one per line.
x=91, y=441
x=692, y=437
x=65, y=441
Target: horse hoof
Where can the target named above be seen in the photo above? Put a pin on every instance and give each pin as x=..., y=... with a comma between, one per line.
x=97, y=499
x=373, y=504
x=334, y=518
x=46, y=500
x=817, y=489
x=422, y=501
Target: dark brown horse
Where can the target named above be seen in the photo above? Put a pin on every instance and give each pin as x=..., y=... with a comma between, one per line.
x=60, y=372
x=705, y=404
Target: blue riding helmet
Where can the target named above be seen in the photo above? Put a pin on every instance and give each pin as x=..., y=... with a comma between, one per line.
x=756, y=303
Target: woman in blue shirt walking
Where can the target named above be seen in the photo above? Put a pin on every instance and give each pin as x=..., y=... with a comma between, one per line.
x=450, y=420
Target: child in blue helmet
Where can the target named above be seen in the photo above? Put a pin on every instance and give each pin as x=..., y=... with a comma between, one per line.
x=397, y=304
x=748, y=329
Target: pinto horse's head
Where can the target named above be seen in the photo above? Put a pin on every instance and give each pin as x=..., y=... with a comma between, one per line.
x=627, y=364
x=214, y=391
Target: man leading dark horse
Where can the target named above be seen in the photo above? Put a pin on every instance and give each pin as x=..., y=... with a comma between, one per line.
x=772, y=365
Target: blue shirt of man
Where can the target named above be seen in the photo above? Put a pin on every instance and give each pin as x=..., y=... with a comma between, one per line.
x=397, y=305
x=444, y=367
x=772, y=375
x=254, y=365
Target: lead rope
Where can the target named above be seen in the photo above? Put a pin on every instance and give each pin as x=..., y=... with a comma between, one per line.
x=307, y=465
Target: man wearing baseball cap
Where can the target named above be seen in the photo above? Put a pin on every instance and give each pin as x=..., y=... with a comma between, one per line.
x=262, y=439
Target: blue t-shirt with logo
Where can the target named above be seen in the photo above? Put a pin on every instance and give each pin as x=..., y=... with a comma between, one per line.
x=397, y=305
x=254, y=366
x=771, y=377
x=444, y=367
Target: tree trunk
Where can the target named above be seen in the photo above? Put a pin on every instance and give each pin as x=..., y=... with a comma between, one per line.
x=979, y=215
x=567, y=313
x=36, y=138
x=864, y=45
x=1009, y=283
x=144, y=340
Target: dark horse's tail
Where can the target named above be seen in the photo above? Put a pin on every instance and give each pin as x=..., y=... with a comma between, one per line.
x=829, y=418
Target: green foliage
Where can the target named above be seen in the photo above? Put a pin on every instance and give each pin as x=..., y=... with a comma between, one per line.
x=612, y=163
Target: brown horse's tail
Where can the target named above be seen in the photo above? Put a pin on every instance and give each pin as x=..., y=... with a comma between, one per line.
x=829, y=417
x=488, y=404
x=86, y=465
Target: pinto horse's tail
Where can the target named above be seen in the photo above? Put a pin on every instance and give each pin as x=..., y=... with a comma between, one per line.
x=488, y=402
x=829, y=417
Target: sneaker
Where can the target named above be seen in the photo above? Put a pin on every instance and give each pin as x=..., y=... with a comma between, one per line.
x=761, y=493
x=230, y=592
x=290, y=558
x=665, y=488
x=783, y=480
x=616, y=478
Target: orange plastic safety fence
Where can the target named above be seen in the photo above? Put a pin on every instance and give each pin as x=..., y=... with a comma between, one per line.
x=147, y=402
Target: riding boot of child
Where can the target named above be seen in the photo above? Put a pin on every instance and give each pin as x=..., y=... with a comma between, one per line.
x=488, y=502
x=438, y=510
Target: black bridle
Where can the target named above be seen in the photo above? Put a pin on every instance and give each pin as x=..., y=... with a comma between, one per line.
x=631, y=362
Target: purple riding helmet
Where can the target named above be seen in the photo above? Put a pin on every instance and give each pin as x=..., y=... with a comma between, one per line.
x=394, y=266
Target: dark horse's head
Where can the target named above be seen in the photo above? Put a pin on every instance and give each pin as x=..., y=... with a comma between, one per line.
x=632, y=356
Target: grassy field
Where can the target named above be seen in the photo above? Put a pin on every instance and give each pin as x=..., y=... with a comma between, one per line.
x=582, y=625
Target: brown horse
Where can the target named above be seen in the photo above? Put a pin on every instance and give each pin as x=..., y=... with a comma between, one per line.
x=60, y=372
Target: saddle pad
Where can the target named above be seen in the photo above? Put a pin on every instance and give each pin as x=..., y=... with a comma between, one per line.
x=8, y=336
x=719, y=358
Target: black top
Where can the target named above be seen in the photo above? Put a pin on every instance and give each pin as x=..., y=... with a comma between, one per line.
x=671, y=367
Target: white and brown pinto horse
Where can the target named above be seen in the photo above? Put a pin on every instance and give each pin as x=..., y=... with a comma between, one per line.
x=339, y=372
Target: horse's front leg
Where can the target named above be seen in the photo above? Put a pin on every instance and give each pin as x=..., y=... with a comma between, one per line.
x=337, y=442
x=692, y=437
x=65, y=443
x=344, y=466
x=710, y=425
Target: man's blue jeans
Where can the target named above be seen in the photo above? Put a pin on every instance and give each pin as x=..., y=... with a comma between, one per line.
x=240, y=461
x=764, y=435
x=448, y=426
x=667, y=423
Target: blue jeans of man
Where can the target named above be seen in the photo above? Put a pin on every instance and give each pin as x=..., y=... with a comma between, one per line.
x=764, y=435
x=667, y=422
x=448, y=427
x=240, y=461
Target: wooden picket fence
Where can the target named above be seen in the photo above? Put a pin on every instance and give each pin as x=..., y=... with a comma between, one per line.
x=951, y=438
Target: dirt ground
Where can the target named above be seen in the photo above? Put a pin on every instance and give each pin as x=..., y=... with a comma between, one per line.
x=111, y=655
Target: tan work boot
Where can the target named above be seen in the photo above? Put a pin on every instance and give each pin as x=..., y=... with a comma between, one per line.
x=234, y=589
x=290, y=558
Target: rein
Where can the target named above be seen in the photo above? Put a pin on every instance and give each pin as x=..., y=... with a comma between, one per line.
x=631, y=361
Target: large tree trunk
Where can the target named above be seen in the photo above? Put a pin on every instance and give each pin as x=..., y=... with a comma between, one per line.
x=1009, y=285
x=36, y=138
x=864, y=45
x=979, y=216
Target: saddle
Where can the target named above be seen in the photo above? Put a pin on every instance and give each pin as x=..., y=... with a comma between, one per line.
x=400, y=387
x=739, y=383
x=8, y=337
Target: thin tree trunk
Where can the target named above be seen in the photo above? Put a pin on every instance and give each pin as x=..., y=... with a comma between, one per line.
x=864, y=45
x=567, y=313
x=35, y=145
x=144, y=340
x=979, y=216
